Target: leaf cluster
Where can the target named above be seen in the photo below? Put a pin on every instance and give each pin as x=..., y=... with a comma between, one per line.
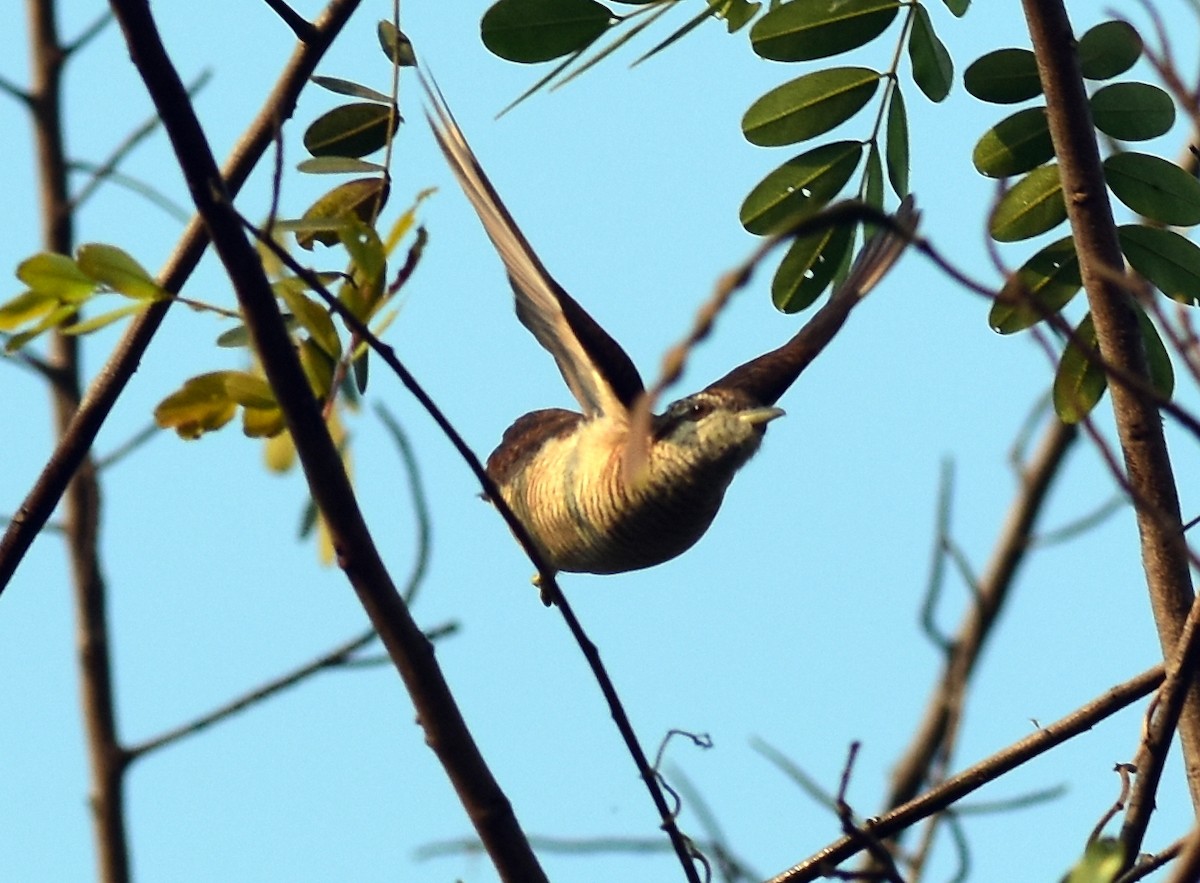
x=798, y=111
x=60, y=286
x=1019, y=146
x=334, y=359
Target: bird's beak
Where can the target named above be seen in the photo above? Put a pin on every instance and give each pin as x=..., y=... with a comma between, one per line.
x=755, y=416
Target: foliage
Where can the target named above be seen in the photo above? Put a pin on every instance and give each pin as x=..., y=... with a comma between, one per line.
x=1019, y=146
x=334, y=359
x=1158, y=190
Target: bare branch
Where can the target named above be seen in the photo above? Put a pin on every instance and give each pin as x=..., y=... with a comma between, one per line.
x=81, y=511
x=438, y=714
x=991, y=591
x=95, y=29
x=1164, y=717
x=123, y=450
x=958, y=786
x=11, y=89
x=551, y=592
x=335, y=657
x=1139, y=426
x=107, y=169
x=1188, y=868
x=300, y=26
x=1147, y=865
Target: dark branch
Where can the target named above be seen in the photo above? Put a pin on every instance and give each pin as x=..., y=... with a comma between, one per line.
x=956, y=787
x=300, y=26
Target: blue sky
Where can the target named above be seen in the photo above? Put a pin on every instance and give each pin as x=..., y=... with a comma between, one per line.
x=795, y=620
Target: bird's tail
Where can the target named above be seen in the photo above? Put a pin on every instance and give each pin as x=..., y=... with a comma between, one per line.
x=881, y=251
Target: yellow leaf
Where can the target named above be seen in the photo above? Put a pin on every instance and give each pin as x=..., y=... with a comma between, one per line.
x=25, y=308
x=280, y=452
x=56, y=275
x=201, y=405
x=115, y=268
x=249, y=390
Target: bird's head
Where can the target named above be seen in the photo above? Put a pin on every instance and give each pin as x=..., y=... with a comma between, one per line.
x=712, y=428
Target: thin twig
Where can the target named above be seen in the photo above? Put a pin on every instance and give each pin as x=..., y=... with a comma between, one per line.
x=108, y=168
x=123, y=450
x=549, y=585
x=91, y=32
x=990, y=592
x=332, y=658
x=976, y=776
x=304, y=31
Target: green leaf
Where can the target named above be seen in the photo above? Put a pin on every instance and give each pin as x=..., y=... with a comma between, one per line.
x=25, y=308
x=1102, y=862
x=1034, y=205
x=318, y=367
x=1109, y=49
x=1133, y=111
x=114, y=268
x=249, y=390
x=820, y=28
x=897, y=144
x=1158, y=360
x=52, y=319
x=396, y=46
x=809, y=265
x=362, y=370
x=800, y=186
x=87, y=326
x=57, y=276
x=354, y=90
x=351, y=130
x=808, y=106
x=1015, y=145
x=958, y=8
x=1079, y=382
x=532, y=31
x=736, y=13
x=1005, y=76
x=263, y=422
x=872, y=192
x=201, y=405
x=314, y=318
x=338, y=165
x=1154, y=188
x=279, y=454
x=362, y=198
x=234, y=338
x=361, y=293
x=1169, y=261
x=1042, y=286
x=932, y=67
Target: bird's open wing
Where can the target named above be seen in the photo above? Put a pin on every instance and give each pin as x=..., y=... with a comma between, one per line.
x=599, y=373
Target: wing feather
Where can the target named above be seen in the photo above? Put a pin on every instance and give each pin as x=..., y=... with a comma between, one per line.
x=597, y=370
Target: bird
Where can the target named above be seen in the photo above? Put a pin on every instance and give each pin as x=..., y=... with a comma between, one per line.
x=561, y=471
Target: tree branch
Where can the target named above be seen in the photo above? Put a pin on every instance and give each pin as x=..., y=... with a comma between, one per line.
x=974, y=777
x=943, y=711
x=438, y=714
x=1139, y=425
x=81, y=518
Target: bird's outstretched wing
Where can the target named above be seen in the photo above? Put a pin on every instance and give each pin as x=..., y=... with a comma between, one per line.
x=598, y=372
x=768, y=377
